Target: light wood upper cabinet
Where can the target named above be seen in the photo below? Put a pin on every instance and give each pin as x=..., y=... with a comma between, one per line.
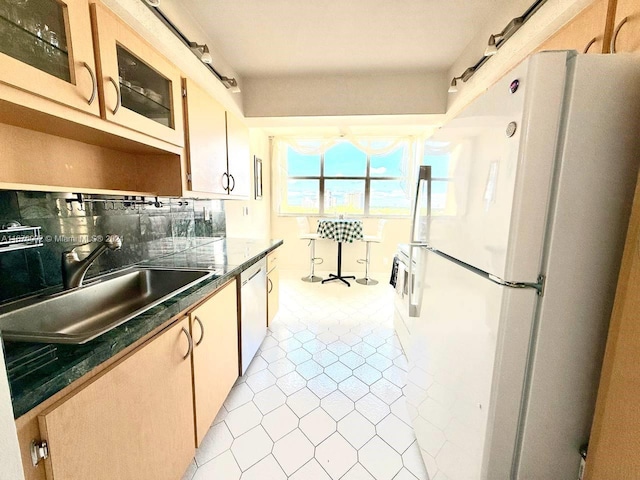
x=134, y=422
x=46, y=49
x=214, y=326
x=239, y=157
x=138, y=87
x=588, y=30
x=628, y=38
x=206, y=141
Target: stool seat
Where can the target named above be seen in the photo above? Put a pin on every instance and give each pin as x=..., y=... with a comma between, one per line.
x=309, y=236
x=371, y=238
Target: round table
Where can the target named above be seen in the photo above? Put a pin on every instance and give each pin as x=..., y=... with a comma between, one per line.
x=340, y=230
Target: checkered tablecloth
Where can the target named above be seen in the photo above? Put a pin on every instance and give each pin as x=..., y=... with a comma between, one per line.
x=340, y=230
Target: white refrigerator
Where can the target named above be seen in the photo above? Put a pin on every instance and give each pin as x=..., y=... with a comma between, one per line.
x=519, y=250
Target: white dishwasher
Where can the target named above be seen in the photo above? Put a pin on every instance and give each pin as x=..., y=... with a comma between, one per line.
x=253, y=311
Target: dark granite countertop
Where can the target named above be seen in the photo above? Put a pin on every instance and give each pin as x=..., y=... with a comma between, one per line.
x=67, y=363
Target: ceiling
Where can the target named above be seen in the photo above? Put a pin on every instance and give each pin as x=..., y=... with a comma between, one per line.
x=295, y=37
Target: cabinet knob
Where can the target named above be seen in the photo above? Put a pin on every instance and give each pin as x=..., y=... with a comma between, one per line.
x=614, y=38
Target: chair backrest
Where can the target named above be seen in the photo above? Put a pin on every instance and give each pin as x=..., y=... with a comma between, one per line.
x=381, y=224
x=303, y=226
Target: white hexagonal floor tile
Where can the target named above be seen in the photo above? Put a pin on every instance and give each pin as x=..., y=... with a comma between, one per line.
x=269, y=399
x=223, y=466
x=399, y=409
x=217, y=440
x=352, y=360
x=310, y=471
x=290, y=344
x=367, y=374
x=299, y=355
x=327, y=337
x=353, y=388
x=261, y=380
x=413, y=461
x=338, y=371
x=280, y=422
x=382, y=461
x=372, y=408
x=281, y=367
x=303, y=401
x=363, y=349
x=325, y=358
x=272, y=354
x=293, y=451
x=358, y=472
x=356, y=429
x=257, y=364
x=395, y=375
x=265, y=469
x=243, y=419
x=385, y=391
x=317, y=425
x=374, y=340
x=322, y=385
x=379, y=361
x=338, y=347
x=251, y=447
x=350, y=339
x=309, y=369
x=405, y=474
x=389, y=351
x=396, y=433
x=291, y=383
x=238, y=396
x=336, y=455
x=337, y=404
x=314, y=346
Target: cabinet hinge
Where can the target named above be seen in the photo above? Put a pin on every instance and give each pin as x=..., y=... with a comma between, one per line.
x=189, y=177
x=184, y=92
x=39, y=451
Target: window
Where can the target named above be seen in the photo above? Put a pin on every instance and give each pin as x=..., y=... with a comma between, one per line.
x=344, y=179
x=439, y=156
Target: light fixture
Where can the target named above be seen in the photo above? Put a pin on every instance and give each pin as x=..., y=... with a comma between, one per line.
x=231, y=84
x=453, y=88
x=491, y=46
x=511, y=28
x=153, y=3
x=205, y=56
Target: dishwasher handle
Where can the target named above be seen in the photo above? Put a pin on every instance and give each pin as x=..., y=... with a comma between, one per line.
x=251, y=277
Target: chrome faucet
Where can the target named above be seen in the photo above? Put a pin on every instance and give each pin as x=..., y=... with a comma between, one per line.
x=74, y=269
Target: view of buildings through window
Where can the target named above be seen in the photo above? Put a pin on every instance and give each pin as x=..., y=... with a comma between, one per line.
x=346, y=180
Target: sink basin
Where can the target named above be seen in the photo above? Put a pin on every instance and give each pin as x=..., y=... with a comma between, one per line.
x=79, y=315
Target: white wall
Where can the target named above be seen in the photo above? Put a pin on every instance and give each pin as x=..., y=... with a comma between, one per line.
x=257, y=224
x=318, y=95
x=10, y=460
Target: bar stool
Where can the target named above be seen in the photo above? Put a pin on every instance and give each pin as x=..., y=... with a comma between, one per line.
x=304, y=233
x=369, y=239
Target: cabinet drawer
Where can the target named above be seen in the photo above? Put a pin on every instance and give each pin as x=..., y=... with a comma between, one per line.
x=272, y=260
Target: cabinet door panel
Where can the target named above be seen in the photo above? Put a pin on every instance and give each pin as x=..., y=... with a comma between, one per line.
x=47, y=62
x=134, y=422
x=629, y=36
x=215, y=358
x=139, y=88
x=206, y=141
x=239, y=153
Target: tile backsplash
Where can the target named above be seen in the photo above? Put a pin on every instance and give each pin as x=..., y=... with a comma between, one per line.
x=147, y=231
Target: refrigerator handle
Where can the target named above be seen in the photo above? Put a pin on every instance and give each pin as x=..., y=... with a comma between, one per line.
x=424, y=175
x=538, y=286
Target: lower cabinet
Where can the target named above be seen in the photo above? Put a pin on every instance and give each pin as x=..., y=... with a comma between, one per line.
x=134, y=422
x=273, y=287
x=214, y=326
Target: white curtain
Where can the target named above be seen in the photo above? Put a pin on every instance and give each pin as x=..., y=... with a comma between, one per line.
x=371, y=145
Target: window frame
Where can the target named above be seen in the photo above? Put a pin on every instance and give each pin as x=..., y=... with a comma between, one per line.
x=367, y=189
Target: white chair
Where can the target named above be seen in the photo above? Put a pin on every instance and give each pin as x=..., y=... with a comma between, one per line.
x=304, y=233
x=369, y=239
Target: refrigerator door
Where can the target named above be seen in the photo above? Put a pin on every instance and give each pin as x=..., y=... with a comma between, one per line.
x=454, y=345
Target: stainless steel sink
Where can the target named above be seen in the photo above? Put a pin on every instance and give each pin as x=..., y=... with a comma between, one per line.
x=79, y=315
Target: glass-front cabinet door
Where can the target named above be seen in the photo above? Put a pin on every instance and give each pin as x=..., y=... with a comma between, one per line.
x=46, y=48
x=139, y=88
